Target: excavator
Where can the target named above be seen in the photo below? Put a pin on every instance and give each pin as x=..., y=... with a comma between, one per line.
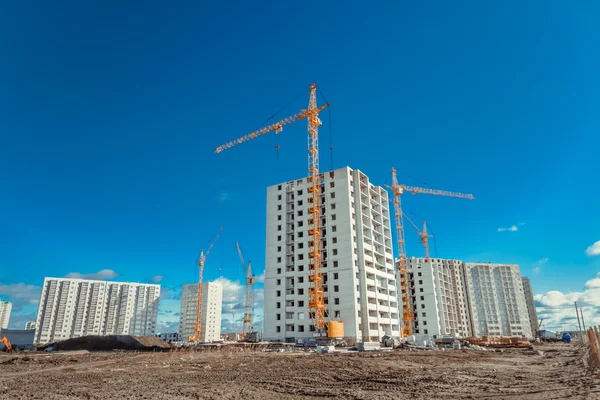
x=7, y=345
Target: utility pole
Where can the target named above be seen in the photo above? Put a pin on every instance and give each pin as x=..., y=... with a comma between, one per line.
x=582, y=320
x=578, y=322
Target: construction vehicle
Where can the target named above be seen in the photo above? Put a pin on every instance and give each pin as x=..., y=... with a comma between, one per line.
x=566, y=337
x=7, y=346
x=398, y=189
x=248, y=334
x=201, y=261
x=316, y=296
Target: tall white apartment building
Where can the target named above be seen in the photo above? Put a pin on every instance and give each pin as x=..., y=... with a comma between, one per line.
x=439, y=297
x=210, y=323
x=533, y=319
x=358, y=269
x=497, y=300
x=79, y=307
x=5, y=309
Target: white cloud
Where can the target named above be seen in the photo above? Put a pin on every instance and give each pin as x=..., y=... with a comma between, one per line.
x=100, y=275
x=558, y=309
x=233, y=302
x=513, y=228
x=157, y=278
x=20, y=293
x=261, y=278
x=538, y=267
x=593, y=250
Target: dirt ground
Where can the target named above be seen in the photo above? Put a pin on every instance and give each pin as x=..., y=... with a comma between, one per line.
x=457, y=374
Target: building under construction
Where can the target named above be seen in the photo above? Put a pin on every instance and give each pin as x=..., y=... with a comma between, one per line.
x=359, y=282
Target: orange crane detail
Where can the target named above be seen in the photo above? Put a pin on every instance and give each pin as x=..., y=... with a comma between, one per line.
x=398, y=189
x=201, y=261
x=423, y=236
x=250, y=280
x=7, y=345
x=316, y=297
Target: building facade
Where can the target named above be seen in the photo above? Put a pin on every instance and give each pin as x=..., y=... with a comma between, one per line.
x=533, y=318
x=30, y=325
x=497, y=300
x=212, y=301
x=79, y=307
x=439, y=297
x=172, y=337
x=5, y=309
x=358, y=269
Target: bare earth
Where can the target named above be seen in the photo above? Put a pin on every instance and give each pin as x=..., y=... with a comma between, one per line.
x=514, y=374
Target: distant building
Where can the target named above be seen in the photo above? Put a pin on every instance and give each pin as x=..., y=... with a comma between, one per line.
x=210, y=324
x=19, y=339
x=5, y=309
x=169, y=337
x=29, y=325
x=497, y=300
x=533, y=318
x=79, y=307
x=359, y=281
x=439, y=297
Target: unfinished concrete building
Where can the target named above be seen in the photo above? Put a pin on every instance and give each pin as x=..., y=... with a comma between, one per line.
x=359, y=279
x=439, y=297
x=497, y=300
x=533, y=318
x=210, y=323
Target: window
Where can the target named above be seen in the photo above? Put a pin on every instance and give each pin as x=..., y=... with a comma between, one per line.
x=279, y=260
x=279, y=207
x=300, y=213
x=420, y=274
x=279, y=270
x=300, y=245
x=335, y=264
x=333, y=217
x=335, y=275
x=279, y=238
x=334, y=240
x=300, y=234
x=301, y=257
x=279, y=249
x=425, y=331
x=300, y=223
x=278, y=227
x=301, y=303
x=278, y=317
x=420, y=282
x=300, y=291
x=336, y=300
x=278, y=305
x=332, y=195
x=422, y=298
x=422, y=305
x=279, y=293
x=337, y=314
x=332, y=206
x=279, y=197
x=335, y=252
x=278, y=281
x=336, y=288
x=299, y=202
x=300, y=279
x=332, y=184
x=421, y=290
x=278, y=187
x=334, y=228
x=424, y=315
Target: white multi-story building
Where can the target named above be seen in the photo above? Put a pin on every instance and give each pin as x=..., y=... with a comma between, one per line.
x=5, y=309
x=497, y=300
x=79, y=307
x=210, y=323
x=358, y=269
x=439, y=297
x=533, y=319
x=30, y=325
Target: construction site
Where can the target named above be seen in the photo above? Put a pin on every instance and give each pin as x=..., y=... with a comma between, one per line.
x=345, y=316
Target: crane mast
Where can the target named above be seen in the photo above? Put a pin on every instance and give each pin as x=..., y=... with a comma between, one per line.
x=316, y=296
x=423, y=236
x=201, y=261
x=250, y=280
x=398, y=189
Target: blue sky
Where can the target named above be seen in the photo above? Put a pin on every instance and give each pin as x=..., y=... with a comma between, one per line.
x=109, y=115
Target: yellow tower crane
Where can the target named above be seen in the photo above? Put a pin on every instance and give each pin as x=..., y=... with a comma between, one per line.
x=250, y=280
x=316, y=296
x=201, y=261
x=398, y=189
x=423, y=236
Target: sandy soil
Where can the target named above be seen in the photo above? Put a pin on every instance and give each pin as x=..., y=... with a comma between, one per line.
x=513, y=374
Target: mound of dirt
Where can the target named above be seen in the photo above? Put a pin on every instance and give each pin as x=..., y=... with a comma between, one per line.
x=112, y=342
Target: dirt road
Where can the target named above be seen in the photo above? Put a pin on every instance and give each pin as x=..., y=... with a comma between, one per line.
x=513, y=374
